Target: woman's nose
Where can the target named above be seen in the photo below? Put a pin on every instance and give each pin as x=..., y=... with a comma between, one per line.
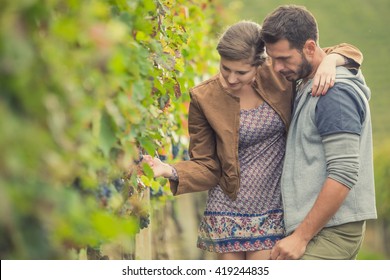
x=232, y=78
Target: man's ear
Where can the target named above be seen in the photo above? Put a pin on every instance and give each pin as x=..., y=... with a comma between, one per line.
x=309, y=48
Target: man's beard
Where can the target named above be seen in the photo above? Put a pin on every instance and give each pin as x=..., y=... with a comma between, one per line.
x=303, y=71
x=305, y=68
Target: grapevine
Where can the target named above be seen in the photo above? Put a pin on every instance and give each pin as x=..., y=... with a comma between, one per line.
x=86, y=86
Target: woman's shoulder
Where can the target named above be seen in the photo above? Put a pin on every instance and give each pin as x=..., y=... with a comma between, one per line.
x=210, y=85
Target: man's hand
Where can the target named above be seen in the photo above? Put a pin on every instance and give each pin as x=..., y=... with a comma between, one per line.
x=291, y=247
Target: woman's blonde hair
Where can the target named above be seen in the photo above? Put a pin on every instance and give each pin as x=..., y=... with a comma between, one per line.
x=242, y=41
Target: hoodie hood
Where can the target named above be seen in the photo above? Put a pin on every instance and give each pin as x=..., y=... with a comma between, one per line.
x=354, y=77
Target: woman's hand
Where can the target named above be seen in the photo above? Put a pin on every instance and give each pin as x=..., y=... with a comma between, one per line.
x=326, y=74
x=159, y=168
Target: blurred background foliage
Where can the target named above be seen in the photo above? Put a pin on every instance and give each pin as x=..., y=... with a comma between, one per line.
x=86, y=87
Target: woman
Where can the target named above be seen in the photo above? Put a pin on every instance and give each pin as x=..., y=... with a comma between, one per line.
x=237, y=124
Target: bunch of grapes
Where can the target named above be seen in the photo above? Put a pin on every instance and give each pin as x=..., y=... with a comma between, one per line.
x=144, y=221
x=104, y=194
x=158, y=193
x=119, y=184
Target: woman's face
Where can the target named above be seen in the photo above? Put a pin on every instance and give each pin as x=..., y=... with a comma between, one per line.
x=237, y=74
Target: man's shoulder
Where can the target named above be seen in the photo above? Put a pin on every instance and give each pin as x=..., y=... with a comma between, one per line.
x=340, y=91
x=343, y=72
x=340, y=110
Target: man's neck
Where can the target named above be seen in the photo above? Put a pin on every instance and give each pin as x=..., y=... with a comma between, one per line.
x=316, y=61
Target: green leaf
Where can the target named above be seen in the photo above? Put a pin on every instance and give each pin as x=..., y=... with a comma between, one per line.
x=148, y=171
x=148, y=145
x=107, y=133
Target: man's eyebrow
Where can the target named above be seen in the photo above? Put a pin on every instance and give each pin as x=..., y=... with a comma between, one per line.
x=280, y=56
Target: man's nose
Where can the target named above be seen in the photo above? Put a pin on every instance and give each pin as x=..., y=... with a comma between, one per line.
x=278, y=66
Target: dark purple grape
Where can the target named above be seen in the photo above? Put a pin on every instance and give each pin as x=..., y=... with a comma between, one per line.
x=144, y=221
x=119, y=183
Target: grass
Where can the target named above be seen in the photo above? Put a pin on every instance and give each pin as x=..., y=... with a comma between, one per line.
x=370, y=255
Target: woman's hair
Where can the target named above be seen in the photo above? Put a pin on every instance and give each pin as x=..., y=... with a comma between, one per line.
x=242, y=41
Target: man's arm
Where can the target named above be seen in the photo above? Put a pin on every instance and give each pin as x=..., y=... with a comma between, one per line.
x=341, y=145
x=328, y=202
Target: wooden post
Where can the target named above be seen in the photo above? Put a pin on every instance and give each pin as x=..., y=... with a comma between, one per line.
x=143, y=240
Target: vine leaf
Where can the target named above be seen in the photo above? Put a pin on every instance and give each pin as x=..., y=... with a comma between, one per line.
x=147, y=170
x=107, y=133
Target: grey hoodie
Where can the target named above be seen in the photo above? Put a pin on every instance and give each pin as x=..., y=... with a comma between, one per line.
x=305, y=165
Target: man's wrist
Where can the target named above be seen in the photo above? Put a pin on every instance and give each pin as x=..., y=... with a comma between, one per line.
x=303, y=234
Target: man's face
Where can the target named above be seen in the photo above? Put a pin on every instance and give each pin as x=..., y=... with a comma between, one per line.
x=289, y=62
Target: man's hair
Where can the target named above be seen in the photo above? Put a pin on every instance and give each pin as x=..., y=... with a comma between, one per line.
x=242, y=41
x=291, y=22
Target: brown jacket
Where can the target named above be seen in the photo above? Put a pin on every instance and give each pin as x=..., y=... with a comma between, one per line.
x=214, y=121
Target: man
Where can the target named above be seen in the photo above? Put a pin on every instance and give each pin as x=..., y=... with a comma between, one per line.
x=328, y=181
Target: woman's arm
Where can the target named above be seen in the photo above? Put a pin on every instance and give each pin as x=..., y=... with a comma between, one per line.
x=340, y=55
x=203, y=170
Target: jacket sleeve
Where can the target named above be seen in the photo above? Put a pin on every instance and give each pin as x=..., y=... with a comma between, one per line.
x=351, y=52
x=203, y=170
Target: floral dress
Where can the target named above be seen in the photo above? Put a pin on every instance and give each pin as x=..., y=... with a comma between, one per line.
x=254, y=221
